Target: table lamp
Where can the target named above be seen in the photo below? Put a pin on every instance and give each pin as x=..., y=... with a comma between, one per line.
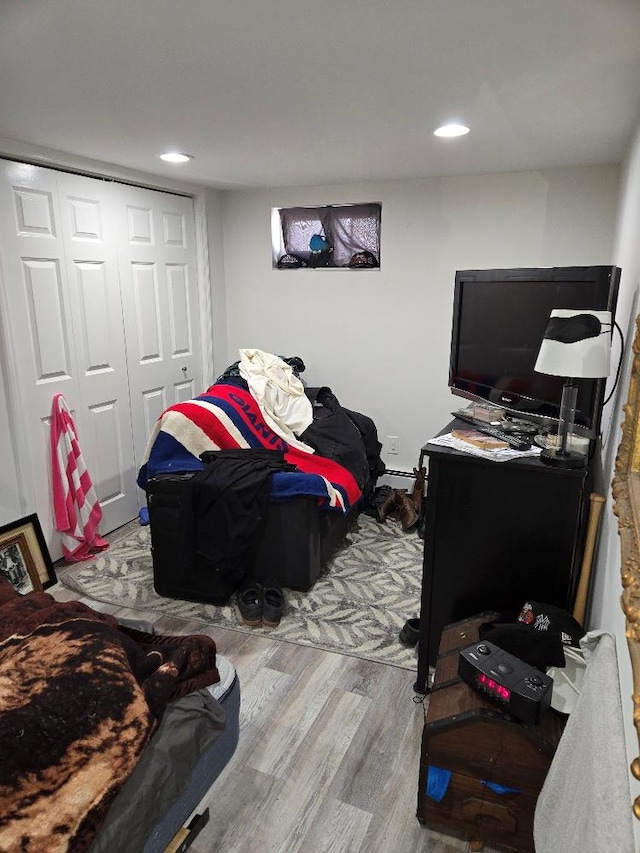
x=576, y=345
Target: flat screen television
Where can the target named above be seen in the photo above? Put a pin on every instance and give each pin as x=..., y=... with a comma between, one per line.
x=499, y=317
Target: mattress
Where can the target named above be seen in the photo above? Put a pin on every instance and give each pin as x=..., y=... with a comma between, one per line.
x=195, y=740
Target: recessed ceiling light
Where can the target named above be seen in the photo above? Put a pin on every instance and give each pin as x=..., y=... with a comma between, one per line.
x=451, y=130
x=176, y=157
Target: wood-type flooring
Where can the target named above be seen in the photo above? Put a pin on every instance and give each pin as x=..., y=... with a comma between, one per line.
x=328, y=755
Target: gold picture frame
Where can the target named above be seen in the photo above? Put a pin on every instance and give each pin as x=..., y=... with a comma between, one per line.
x=24, y=557
x=626, y=506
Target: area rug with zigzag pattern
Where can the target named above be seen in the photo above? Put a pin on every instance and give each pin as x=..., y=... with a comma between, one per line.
x=357, y=607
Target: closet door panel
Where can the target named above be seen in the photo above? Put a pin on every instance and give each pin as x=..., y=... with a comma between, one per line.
x=112, y=469
x=158, y=275
x=104, y=420
x=154, y=402
x=47, y=324
x=144, y=280
x=179, y=314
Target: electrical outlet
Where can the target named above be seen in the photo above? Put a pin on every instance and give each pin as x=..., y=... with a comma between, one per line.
x=392, y=444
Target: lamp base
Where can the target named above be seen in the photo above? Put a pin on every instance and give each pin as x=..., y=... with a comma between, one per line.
x=568, y=459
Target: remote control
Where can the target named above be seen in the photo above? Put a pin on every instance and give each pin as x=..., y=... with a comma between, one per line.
x=515, y=442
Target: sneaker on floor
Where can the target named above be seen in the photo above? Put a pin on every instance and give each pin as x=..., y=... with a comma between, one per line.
x=249, y=600
x=410, y=633
x=272, y=603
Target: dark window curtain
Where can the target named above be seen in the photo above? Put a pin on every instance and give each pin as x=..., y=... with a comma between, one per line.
x=348, y=228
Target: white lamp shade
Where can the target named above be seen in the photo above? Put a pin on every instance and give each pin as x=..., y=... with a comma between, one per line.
x=576, y=344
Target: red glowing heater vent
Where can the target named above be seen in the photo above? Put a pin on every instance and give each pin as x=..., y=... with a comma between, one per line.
x=493, y=687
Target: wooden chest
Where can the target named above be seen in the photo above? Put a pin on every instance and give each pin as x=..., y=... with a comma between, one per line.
x=482, y=747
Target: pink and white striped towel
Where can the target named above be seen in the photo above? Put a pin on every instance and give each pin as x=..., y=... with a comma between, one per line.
x=77, y=512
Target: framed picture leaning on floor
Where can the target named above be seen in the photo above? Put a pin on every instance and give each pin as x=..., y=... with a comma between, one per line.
x=24, y=557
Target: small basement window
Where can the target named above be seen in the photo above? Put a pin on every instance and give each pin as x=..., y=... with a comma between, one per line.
x=344, y=235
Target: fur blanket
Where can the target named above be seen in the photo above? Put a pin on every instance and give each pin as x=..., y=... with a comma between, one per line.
x=227, y=417
x=79, y=699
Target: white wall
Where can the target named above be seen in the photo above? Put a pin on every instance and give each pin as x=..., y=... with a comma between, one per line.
x=606, y=611
x=380, y=339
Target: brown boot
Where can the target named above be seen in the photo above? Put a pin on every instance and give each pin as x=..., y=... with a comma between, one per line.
x=406, y=510
x=417, y=495
x=388, y=507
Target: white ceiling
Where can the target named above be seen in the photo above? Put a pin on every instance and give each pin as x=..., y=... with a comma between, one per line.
x=299, y=93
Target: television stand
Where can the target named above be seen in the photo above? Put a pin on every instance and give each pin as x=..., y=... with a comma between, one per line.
x=496, y=535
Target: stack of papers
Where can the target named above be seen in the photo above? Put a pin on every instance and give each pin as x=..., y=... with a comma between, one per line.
x=500, y=455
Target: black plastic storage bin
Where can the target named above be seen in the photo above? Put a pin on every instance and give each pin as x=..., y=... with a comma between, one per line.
x=296, y=541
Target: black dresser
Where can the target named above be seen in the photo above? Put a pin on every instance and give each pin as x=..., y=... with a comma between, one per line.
x=496, y=535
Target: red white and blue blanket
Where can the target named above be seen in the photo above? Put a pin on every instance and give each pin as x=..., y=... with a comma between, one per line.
x=227, y=417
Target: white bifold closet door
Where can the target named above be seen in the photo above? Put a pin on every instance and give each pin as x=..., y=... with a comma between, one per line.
x=99, y=303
